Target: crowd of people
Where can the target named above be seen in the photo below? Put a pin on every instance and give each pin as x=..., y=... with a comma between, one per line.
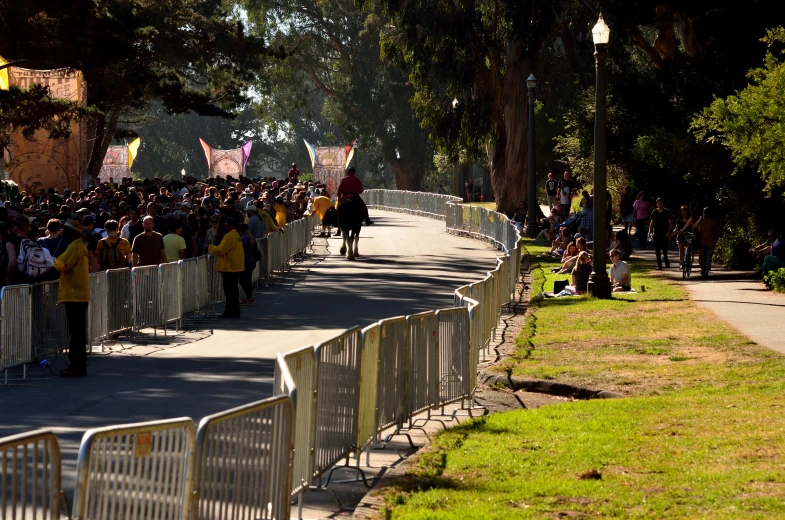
x=65, y=234
x=569, y=234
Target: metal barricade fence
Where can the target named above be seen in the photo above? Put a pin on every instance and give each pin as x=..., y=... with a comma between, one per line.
x=49, y=327
x=203, y=267
x=301, y=365
x=134, y=471
x=264, y=263
x=97, y=310
x=16, y=347
x=423, y=366
x=453, y=360
x=338, y=378
x=393, y=364
x=214, y=283
x=171, y=292
x=189, y=283
x=147, y=297
x=120, y=302
x=242, y=465
x=369, y=385
x=30, y=476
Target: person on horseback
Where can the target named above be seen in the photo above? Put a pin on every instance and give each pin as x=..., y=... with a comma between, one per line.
x=351, y=186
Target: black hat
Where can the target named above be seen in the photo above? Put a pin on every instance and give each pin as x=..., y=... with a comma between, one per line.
x=231, y=221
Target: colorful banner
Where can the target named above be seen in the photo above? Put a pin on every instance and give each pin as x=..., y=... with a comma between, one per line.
x=329, y=164
x=40, y=162
x=226, y=163
x=118, y=160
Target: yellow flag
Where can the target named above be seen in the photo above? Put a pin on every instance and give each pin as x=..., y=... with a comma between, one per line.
x=133, y=147
x=3, y=75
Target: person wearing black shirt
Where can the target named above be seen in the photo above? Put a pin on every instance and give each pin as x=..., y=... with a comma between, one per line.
x=660, y=226
x=551, y=190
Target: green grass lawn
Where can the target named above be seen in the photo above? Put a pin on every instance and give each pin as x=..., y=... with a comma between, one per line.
x=701, y=434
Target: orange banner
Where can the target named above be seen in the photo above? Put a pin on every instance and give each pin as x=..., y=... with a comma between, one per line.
x=41, y=162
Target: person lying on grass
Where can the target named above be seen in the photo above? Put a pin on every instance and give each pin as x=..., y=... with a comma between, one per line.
x=621, y=277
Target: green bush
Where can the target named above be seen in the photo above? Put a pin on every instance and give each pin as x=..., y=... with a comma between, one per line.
x=775, y=280
x=733, y=249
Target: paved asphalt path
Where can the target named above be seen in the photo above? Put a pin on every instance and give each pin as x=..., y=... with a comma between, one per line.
x=409, y=264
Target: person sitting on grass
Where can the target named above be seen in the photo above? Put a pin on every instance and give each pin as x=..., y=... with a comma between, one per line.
x=759, y=252
x=568, y=259
x=548, y=228
x=561, y=242
x=580, y=277
x=776, y=259
x=622, y=242
x=621, y=276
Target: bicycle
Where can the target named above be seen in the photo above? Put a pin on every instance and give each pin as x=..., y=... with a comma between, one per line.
x=686, y=264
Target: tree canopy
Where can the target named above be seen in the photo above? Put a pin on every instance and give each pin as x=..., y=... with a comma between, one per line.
x=751, y=123
x=188, y=55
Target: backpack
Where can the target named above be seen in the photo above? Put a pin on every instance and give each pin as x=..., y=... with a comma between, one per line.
x=33, y=259
x=111, y=257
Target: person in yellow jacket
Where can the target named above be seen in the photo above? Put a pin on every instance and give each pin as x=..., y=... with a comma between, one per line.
x=269, y=222
x=73, y=267
x=280, y=211
x=323, y=208
x=230, y=262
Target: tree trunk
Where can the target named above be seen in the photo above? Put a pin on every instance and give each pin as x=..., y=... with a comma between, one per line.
x=408, y=172
x=104, y=134
x=507, y=155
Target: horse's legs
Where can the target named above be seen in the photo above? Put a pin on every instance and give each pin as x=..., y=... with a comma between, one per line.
x=356, y=243
x=350, y=250
x=345, y=235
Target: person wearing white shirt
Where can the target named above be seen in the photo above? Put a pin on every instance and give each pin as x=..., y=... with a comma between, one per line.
x=621, y=276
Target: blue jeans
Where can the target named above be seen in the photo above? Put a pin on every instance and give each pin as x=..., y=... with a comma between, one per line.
x=708, y=252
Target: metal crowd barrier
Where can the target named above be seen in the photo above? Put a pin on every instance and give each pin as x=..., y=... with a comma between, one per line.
x=134, y=471
x=170, y=282
x=337, y=398
x=243, y=461
x=50, y=330
x=30, y=476
x=301, y=365
x=120, y=305
x=16, y=334
x=369, y=386
x=97, y=311
x=393, y=367
x=423, y=369
x=147, y=297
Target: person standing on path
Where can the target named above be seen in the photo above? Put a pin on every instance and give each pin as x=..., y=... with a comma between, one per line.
x=551, y=190
x=73, y=267
x=148, y=248
x=709, y=230
x=230, y=262
x=660, y=225
x=641, y=208
x=626, y=201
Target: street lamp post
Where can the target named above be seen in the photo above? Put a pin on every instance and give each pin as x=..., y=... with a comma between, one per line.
x=599, y=283
x=531, y=224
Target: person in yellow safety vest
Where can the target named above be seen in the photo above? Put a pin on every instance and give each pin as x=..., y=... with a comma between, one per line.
x=323, y=207
x=280, y=211
x=230, y=262
x=269, y=222
x=73, y=267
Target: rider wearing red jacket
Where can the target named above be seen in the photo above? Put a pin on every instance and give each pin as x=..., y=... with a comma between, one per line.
x=351, y=186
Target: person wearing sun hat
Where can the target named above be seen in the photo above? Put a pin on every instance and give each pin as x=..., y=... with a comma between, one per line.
x=73, y=267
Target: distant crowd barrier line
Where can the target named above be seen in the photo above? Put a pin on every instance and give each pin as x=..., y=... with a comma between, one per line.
x=333, y=401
